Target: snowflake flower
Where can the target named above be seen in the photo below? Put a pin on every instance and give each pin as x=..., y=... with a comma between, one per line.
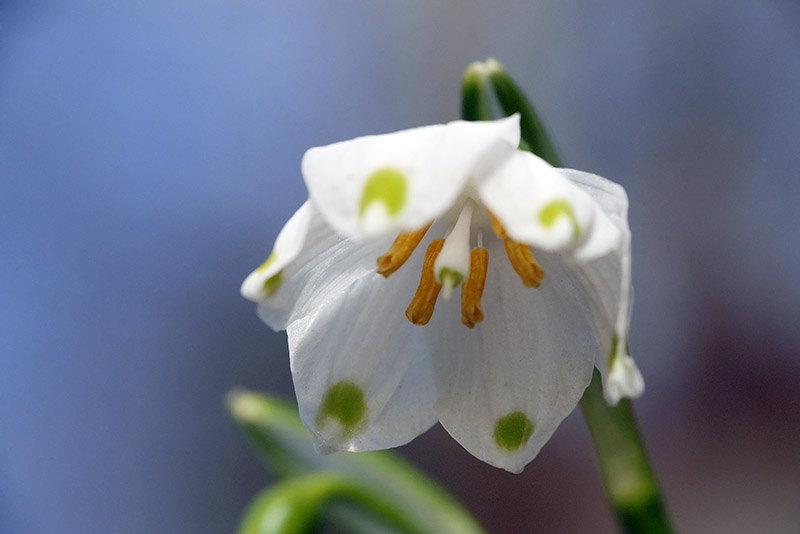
x=542, y=256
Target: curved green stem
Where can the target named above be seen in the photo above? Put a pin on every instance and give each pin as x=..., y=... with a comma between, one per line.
x=629, y=479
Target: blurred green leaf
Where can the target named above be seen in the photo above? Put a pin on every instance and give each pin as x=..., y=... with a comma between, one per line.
x=295, y=505
x=285, y=446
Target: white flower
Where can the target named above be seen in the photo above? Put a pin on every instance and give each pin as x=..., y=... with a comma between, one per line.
x=501, y=369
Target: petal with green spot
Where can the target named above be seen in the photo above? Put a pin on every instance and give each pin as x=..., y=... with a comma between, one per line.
x=557, y=208
x=512, y=431
x=344, y=402
x=387, y=186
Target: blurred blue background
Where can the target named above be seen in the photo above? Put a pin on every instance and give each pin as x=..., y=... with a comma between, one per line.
x=149, y=153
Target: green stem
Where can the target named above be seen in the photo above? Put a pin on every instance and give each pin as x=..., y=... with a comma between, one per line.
x=631, y=485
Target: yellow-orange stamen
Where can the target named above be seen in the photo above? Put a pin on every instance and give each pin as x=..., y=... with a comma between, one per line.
x=497, y=226
x=400, y=251
x=524, y=263
x=472, y=288
x=421, y=308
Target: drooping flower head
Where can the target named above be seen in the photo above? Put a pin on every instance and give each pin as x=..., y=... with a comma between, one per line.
x=363, y=274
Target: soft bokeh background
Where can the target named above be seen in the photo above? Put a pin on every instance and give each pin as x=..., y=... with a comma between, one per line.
x=149, y=153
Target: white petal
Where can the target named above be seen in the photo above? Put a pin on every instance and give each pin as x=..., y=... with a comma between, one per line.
x=538, y=206
x=606, y=286
x=378, y=185
x=529, y=361
x=610, y=196
x=266, y=279
x=360, y=369
x=322, y=251
x=623, y=380
x=613, y=202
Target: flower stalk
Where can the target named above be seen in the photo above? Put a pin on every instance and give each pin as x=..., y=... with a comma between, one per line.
x=629, y=480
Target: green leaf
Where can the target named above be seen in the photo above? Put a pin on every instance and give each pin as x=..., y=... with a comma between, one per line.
x=513, y=100
x=286, y=448
x=296, y=504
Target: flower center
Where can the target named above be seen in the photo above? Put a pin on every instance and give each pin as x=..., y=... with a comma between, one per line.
x=450, y=261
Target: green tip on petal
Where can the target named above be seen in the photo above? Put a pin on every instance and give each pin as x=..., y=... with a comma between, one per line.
x=272, y=283
x=512, y=431
x=387, y=186
x=612, y=357
x=267, y=262
x=555, y=209
x=344, y=401
x=616, y=353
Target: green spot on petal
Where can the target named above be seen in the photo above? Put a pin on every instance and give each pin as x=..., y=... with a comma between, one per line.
x=344, y=401
x=387, y=186
x=615, y=352
x=267, y=262
x=272, y=283
x=512, y=431
x=555, y=209
x=612, y=357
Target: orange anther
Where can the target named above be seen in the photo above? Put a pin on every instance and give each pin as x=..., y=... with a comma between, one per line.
x=421, y=308
x=524, y=263
x=400, y=251
x=472, y=288
x=497, y=226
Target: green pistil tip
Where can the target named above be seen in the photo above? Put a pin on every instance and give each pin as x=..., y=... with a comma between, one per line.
x=454, y=276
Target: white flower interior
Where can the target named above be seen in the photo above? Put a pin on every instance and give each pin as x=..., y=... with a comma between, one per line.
x=367, y=377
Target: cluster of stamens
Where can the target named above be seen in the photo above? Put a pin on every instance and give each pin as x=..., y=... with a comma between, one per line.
x=446, y=261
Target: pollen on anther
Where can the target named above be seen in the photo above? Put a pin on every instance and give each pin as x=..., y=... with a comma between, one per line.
x=524, y=262
x=400, y=251
x=472, y=289
x=420, y=309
